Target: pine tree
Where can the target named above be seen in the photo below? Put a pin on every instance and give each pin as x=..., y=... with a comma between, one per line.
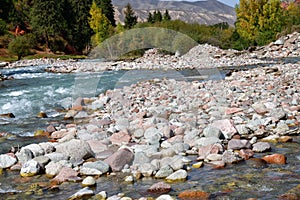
x=166, y=16
x=157, y=16
x=47, y=18
x=78, y=32
x=150, y=18
x=107, y=10
x=130, y=18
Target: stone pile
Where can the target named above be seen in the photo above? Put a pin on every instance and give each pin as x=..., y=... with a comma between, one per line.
x=148, y=129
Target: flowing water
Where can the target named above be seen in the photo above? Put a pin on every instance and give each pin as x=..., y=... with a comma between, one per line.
x=34, y=90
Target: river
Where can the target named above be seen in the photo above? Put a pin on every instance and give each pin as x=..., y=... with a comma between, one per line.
x=33, y=90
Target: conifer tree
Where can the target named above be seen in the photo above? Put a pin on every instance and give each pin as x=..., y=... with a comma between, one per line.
x=130, y=18
x=150, y=18
x=107, y=10
x=166, y=16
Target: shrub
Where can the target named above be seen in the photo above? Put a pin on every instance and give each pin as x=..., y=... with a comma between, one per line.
x=20, y=46
x=3, y=28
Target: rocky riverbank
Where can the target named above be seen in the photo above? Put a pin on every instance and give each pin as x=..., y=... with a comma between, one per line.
x=150, y=129
x=201, y=56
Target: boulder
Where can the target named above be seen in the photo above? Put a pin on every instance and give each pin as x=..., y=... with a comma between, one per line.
x=226, y=126
x=88, y=181
x=7, y=161
x=211, y=131
x=236, y=144
x=30, y=168
x=159, y=188
x=52, y=169
x=66, y=174
x=119, y=159
x=94, y=168
x=178, y=175
x=76, y=149
x=164, y=172
x=261, y=147
x=275, y=159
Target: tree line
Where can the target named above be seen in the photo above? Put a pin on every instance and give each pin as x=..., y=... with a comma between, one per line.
x=74, y=26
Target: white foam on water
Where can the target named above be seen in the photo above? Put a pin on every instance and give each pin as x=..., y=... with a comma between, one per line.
x=17, y=93
x=62, y=90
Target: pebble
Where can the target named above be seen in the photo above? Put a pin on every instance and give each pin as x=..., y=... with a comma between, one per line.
x=88, y=181
x=178, y=175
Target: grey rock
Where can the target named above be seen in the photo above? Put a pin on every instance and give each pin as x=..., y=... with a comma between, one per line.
x=230, y=157
x=83, y=193
x=7, y=161
x=77, y=149
x=211, y=131
x=138, y=133
x=94, y=168
x=30, y=168
x=236, y=144
x=164, y=172
x=81, y=114
x=140, y=158
x=261, y=147
x=165, y=197
x=152, y=135
x=24, y=155
x=279, y=42
x=242, y=129
x=122, y=123
x=42, y=160
x=48, y=147
x=57, y=156
x=88, y=181
x=147, y=169
x=214, y=157
x=281, y=128
x=53, y=168
x=278, y=114
x=206, y=141
x=36, y=149
x=177, y=175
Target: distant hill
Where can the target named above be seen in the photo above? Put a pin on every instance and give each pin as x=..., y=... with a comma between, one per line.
x=203, y=12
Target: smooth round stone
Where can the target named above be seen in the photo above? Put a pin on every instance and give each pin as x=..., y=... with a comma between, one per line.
x=197, y=165
x=88, y=181
x=129, y=179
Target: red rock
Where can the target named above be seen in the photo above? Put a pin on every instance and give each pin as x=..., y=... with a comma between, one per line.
x=193, y=195
x=230, y=111
x=275, y=159
x=65, y=174
x=119, y=159
x=246, y=153
x=77, y=108
x=160, y=188
x=97, y=146
x=119, y=138
x=209, y=149
x=226, y=126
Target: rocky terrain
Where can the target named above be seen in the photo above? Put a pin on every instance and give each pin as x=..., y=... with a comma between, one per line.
x=202, y=12
x=199, y=57
x=150, y=129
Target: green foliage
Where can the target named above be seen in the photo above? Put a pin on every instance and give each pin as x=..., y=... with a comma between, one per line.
x=78, y=32
x=47, y=18
x=150, y=18
x=258, y=21
x=20, y=46
x=157, y=17
x=107, y=9
x=166, y=16
x=130, y=18
x=57, y=44
x=99, y=24
x=3, y=28
x=5, y=40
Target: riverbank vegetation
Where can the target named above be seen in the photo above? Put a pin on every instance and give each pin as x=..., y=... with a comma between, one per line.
x=71, y=27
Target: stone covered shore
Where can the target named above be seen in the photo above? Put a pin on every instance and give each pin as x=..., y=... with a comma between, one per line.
x=150, y=128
